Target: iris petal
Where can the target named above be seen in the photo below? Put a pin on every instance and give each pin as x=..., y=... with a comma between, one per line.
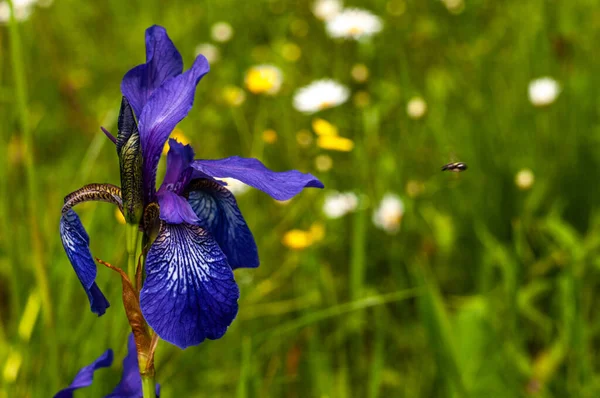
x=86, y=375
x=189, y=293
x=167, y=106
x=174, y=209
x=218, y=212
x=130, y=385
x=179, y=172
x=280, y=185
x=76, y=243
x=163, y=61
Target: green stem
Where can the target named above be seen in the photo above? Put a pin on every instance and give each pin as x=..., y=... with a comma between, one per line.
x=132, y=248
x=148, y=386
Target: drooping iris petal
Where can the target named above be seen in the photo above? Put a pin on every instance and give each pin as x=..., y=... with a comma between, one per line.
x=179, y=172
x=167, y=106
x=130, y=385
x=174, y=209
x=86, y=375
x=280, y=185
x=77, y=246
x=163, y=61
x=189, y=293
x=218, y=212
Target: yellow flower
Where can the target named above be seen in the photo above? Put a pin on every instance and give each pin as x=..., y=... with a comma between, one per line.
x=323, y=163
x=291, y=52
x=317, y=231
x=119, y=216
x=264, y=79
x=323, y=127
x=234, y=96
x=360, y=73
x=297, y=239
x=335, y=143
x=269, y=136
x=304, y=138
x=179, y=136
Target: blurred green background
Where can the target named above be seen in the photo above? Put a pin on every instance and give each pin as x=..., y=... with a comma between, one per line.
x=488, y=288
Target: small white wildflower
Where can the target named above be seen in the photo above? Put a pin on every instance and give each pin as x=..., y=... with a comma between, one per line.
x=338, y=204
x=210, y=51
x=319, y=95
x=22, y=9
x=416, y=108
x=326, y=9
x=524, y=179
x=235, y=186
x=543, y=91
x=354, y=23
x=221, y=32
x=454, y=6
x=389, y=213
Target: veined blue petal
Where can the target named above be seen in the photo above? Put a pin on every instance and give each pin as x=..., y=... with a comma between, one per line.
x=280, y=185
x=189, y=293
x=130, y=385
x=167, y=106
x=179, y=171
x=163, y=62
x=86, y=375
x=218, y=212
x=76, y=243
x=174, y=209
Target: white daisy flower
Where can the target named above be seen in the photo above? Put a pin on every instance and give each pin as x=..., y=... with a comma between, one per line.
x=326, y=9
x=221, y=32
x=22, y=9
x=210, y=51
x=354, y=23
x=543, y=91
x=338, y=204
x=319, y=95
x=416, y=108
x=235, y=186
x=524, y=179
x=389, y=213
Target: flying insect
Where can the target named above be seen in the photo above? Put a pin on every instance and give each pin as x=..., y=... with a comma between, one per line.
x=455, y=167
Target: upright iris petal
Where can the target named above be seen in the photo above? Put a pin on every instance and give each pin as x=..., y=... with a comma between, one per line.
x=77, y=246
x=280, y=185
x=86, y=375
x=163, y=61
x=189, y=293
x=167, y=106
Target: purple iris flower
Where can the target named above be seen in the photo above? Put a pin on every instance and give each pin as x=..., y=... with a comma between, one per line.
x=200, y=236
x=130, y=385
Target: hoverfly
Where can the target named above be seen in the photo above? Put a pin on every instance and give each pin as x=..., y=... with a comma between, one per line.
x=455, y=167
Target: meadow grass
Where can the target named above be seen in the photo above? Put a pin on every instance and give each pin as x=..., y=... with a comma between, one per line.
x=486, y=290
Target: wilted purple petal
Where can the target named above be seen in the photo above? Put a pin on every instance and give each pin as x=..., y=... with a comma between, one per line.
x=174, y=209
x=167, y=106
x=218, y=212
x=77, y=246
x=280, y=185
x=189, y=293
x=179, y=172
x=130, y=385
x=86, y=375
x=163, y=61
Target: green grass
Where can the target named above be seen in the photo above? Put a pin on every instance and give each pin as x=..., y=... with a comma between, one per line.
x=486, y=290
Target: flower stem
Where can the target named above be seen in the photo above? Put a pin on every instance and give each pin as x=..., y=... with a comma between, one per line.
x=132, y=247
x=148, y=386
